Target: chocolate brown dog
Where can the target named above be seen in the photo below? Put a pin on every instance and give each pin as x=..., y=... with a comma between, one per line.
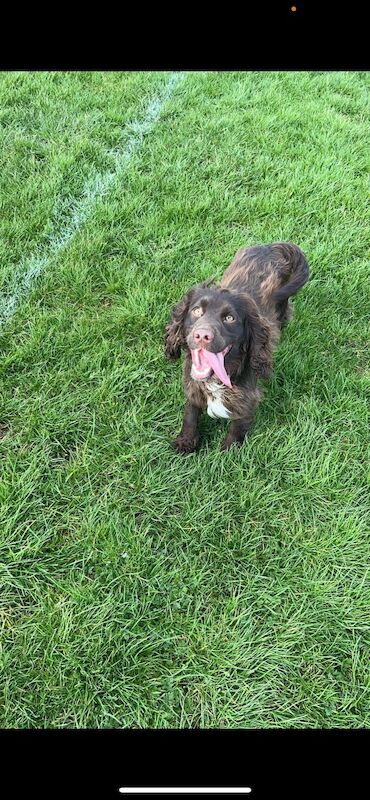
x=229, y=332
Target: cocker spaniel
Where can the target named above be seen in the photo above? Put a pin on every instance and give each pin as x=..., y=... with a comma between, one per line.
x=229, y=332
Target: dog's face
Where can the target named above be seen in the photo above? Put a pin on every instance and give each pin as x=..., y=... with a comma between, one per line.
x=220, y=328
x=215, y=331
x=215, y=319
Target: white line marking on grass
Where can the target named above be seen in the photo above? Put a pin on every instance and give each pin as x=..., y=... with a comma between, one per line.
x=81, y=209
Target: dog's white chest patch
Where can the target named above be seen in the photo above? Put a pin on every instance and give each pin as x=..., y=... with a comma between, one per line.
x=215, y=402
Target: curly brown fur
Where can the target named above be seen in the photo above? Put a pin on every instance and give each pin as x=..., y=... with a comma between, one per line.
x=244, y=315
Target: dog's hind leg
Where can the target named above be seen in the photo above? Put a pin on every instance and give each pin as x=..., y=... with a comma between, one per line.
x=285, y=312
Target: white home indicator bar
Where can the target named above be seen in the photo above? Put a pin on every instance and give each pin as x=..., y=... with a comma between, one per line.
x=185, y=789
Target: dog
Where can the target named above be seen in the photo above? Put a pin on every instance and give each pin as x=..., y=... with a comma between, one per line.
x=229, y=332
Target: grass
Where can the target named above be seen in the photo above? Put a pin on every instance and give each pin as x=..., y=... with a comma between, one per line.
x=137, y=587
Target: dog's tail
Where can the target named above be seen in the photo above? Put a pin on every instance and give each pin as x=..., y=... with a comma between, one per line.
x=297, y=273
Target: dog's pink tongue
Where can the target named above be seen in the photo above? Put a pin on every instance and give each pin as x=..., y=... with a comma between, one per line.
x=216, y=361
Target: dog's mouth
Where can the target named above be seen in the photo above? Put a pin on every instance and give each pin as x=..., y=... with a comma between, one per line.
x=205, y=362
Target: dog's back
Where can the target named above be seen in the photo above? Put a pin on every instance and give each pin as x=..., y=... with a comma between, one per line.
x=270, y=273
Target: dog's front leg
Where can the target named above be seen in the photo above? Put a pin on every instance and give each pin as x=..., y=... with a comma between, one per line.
x=187, y=440
x=241, y=426
x=237, y=432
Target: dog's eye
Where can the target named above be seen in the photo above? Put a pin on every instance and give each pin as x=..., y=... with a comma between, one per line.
x=229, y=318
x=197, y=311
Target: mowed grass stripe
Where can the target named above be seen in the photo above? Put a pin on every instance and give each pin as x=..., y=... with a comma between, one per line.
x=140, y=588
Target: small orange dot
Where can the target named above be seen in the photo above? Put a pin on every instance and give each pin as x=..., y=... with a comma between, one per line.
x=293, y=8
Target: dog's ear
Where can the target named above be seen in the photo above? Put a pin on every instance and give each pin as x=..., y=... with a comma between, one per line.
x=175, y=338
x=259, y=339
x=175, y=334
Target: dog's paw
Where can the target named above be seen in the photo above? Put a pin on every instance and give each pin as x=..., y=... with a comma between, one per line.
x=229, y=441
x=184, y=444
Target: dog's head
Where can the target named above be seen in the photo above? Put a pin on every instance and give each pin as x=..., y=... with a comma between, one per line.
x=224, y=332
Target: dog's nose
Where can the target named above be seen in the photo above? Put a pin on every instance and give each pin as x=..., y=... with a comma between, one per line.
x=203, y=336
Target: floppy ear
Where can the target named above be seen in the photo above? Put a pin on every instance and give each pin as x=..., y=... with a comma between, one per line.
x=175, y=335
x=175, y=338
x=259, y=340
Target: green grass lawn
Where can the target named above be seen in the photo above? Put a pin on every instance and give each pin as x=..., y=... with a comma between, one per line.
x=138, y=587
